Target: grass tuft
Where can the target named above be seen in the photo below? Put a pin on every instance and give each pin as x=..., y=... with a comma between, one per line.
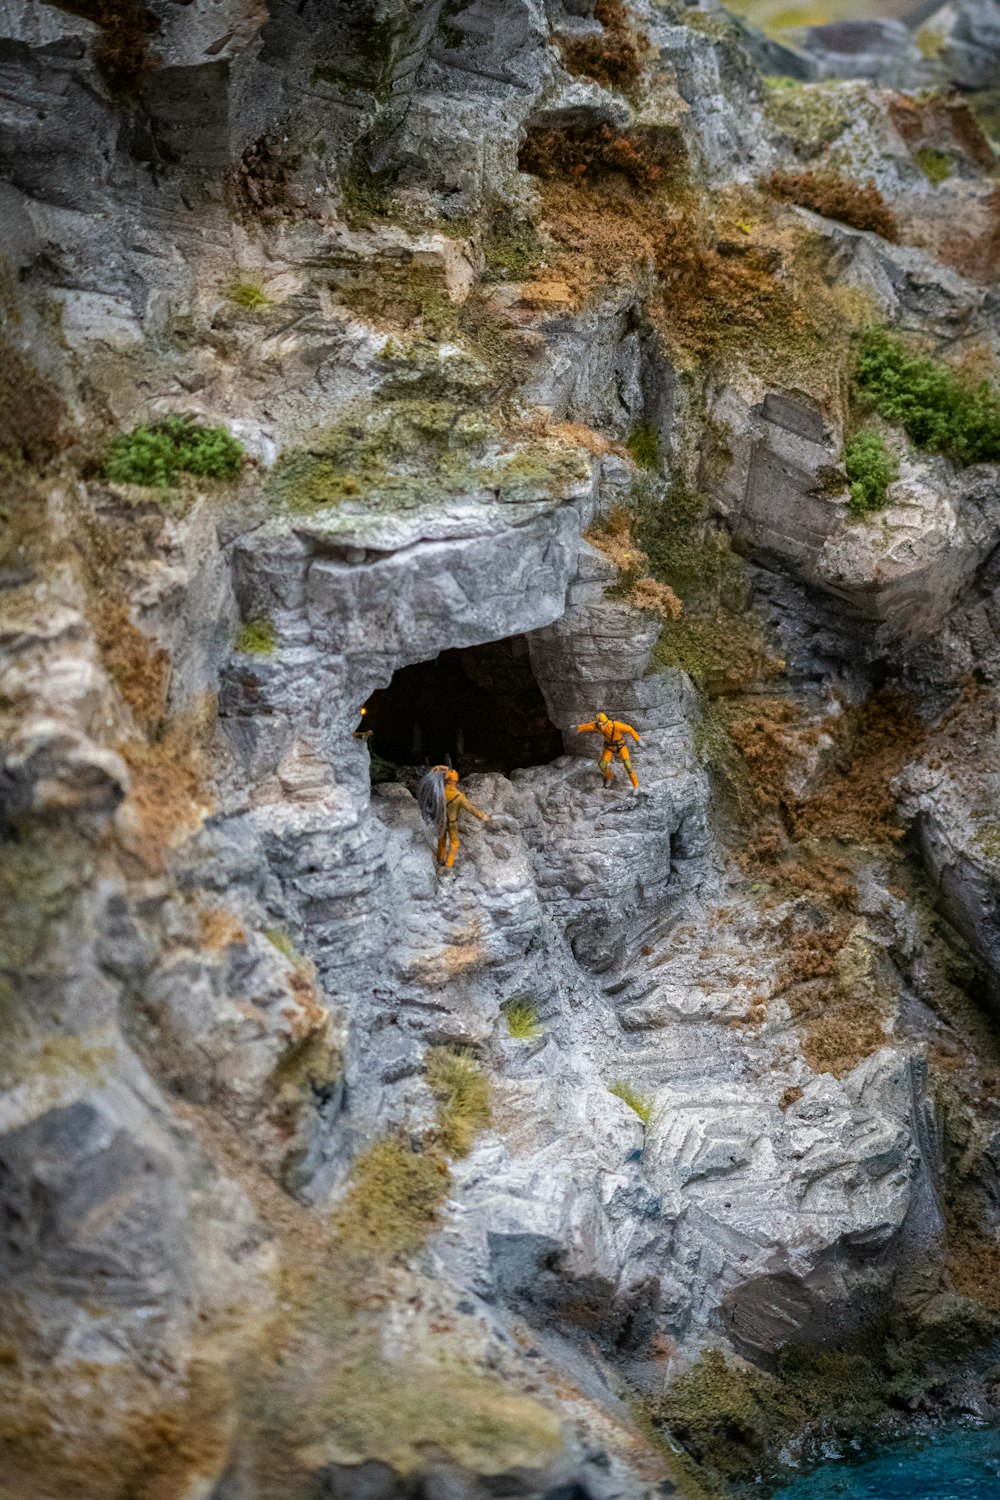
x=640, y=1103
x=463, y=1098
x=248, y=294
x=644, y=446
x=522, y=1020
x=394, y=1198
x=871, y=468
x=154, y=454
x=938, y=409
x=279, y=938
x=257, y=638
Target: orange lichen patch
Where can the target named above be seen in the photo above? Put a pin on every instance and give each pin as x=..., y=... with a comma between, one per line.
x=856, y=801
x=940, y=120
x=612, y=58
x=860, y=205
x=536, y=427
x=139, y=669
x=218, y=928
x=644, y=157
x=972, y=246
x=314, y=1013
x=614, y=538
x=168, y=775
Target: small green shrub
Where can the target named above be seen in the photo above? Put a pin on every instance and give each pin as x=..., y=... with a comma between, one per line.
x=644, y=446
x=463, y=1098
x=640, y=1103
x=522, y=1020
x=871, y=468
x=935, y=165
x=154, y=454
x=248, y=294
x=938, y=409
x=257, y=637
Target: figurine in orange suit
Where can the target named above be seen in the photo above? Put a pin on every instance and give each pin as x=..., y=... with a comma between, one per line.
x=614, y=732
x=440, y=803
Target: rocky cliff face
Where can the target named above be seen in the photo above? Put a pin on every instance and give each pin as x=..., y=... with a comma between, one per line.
x=323, y=1171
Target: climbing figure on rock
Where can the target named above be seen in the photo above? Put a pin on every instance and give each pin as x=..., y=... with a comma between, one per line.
x=614, y=732
x=440, y=803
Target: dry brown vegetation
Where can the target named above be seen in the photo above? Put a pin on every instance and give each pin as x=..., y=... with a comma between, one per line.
x=613, y=537
x=643, y=157
x=827, y=977
x=718, y=289
x=612, y=58
x=856, y=801
x=138, y=667
x=838, y=1016
x=122, y=52
x=168, y=775
x=860, y=205
x=33, y=432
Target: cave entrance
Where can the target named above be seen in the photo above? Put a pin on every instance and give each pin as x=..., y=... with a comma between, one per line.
x=479, y=709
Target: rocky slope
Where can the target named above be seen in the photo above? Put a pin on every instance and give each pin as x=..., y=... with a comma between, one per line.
x=657, y=1142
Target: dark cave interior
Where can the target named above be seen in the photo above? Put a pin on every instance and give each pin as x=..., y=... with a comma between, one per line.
x=478, y=709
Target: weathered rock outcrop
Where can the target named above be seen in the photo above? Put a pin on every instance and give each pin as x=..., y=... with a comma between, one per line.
x=255, y=1237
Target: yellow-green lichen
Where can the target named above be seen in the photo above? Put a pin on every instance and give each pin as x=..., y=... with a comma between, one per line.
x=415, y=453
x=811, y=115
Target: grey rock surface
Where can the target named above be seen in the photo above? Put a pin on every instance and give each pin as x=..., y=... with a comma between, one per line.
x=228, y=957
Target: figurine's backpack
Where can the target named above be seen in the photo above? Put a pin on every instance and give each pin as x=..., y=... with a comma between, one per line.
x=431, y=799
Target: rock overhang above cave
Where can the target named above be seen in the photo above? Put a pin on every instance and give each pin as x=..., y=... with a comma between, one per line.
x=514, y=490
x=461, y=521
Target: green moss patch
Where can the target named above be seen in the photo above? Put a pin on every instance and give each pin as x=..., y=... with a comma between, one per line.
x=412, y=453
x=939, y=410
x=810, y=115
x=644, y=446
x=511, y=245
x=257, y=638
x=394, y=1198
x=156, y=454
x=870, y=468
x=935, y=165
x=740, y=1423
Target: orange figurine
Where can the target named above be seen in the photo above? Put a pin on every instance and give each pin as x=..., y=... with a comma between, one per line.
x=614, y=732
x=440, y=803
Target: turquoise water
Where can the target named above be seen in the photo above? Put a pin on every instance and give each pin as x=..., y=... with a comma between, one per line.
x=963, y=1464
